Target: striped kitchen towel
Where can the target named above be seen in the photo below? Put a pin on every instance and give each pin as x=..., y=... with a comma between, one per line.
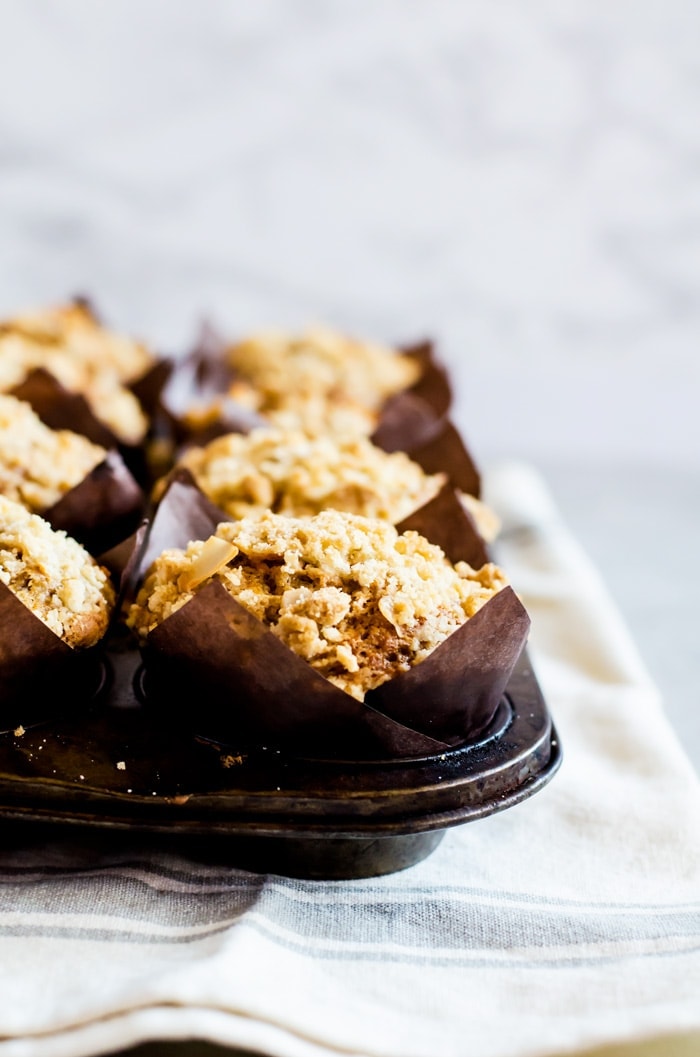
x=569, y=921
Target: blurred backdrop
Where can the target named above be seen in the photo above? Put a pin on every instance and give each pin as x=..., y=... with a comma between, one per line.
x=519, y=180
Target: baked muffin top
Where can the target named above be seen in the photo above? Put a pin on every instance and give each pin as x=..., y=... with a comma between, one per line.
x=290, y=472
x=54, y=576
x=349, y=594
x=75, y=328
x=84, y=357
x=38, y=465
x=319, y=379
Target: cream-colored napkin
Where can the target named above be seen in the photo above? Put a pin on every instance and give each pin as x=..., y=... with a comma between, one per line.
x=569, y=921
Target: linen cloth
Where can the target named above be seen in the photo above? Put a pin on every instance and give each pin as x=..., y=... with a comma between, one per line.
x=568, y=921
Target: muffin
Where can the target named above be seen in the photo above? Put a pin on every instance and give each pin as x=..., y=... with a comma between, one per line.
x=289, y=472
x=75, y=328
x=54, y=577
x=83, y=358
x=354, y=598
x=38, y=465
x=319, y=380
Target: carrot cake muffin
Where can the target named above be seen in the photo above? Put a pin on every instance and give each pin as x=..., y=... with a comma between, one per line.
x=349, y=594
x=319, y=379
x=54, y=576
x=38, y=465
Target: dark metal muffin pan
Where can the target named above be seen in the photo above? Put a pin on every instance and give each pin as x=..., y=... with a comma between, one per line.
x=113, y=765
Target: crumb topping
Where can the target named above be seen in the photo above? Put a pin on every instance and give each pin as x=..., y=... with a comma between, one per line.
x=289, y=472
x=84, y=357
x=38, y=464
x=349, y=594
x=319, y=379
x=54, y=576
x=76, y=329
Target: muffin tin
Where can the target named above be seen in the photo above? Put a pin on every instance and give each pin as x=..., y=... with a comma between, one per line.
x=111, y=764
x=101, y=744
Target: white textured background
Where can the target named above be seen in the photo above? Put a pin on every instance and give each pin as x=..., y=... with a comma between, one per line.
x=519, y=179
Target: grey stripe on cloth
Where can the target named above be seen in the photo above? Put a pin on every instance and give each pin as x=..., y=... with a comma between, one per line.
x=186, y=879
x=337, y=893
x=468, y=926
x=571, y=958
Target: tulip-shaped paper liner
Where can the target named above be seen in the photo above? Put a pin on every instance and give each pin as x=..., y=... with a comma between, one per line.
x=416, y=422
x=247, y=688
x=433, y=386
x=201, y=380
x=444, y=520
x=148, y=388
x=41, y=677
x=101, y=510
x=408, y=424
x=61, y=408
x=237, y=683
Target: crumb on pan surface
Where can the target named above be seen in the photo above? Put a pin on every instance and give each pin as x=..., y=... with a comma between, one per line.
x=289, y=472
x=38, y=464
x=349, y=594
x=319, y=378
x=54, y=576
x=84, y=359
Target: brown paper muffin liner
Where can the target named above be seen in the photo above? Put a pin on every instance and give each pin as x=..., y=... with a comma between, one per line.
x=60, y=408
x=199, y=379
x=443, y=520
x=433, y=386
x=103, y=509
x=185, y=514
x=148, y=388
x=216, y=668
x=445, y=450
x=41, y=677
x=408, y=424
